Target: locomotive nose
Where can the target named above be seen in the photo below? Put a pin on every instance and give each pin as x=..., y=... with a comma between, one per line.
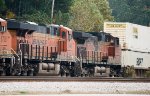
x=4, y=37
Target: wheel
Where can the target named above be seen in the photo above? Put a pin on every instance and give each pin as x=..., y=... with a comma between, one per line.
x=67, y=75
x=23, y=73
x=77, y=70
x=30, y=72
x=86, y=75
x=8, y=72
x=2, y=73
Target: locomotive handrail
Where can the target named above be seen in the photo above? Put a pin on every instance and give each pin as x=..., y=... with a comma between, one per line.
x=18, y=56
x=77, y=58
x=21, y=53
x=15, y=53
x=74, y=57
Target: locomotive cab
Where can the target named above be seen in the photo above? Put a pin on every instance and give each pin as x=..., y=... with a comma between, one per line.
x=5, y=39
x=4, y=36
x=66, y=44
x=3, y=25
x=7, y=45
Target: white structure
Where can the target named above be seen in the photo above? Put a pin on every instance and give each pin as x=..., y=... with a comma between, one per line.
x=134, y=40
x=131, y=36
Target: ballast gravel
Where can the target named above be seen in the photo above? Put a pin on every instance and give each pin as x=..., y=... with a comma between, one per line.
x=7, y=88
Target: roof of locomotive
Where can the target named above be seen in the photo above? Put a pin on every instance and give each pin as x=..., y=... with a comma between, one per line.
x=31, y=26
x=66, y=28
x=101, y=35
x=98, y=33
x=2, y=20
x=77, y=34
x=13, y=24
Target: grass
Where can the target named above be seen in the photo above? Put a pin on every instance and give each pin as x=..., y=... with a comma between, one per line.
x=139, y=92
x=23, y=92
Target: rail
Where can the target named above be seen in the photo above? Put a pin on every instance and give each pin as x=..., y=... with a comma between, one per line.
x=70, y=79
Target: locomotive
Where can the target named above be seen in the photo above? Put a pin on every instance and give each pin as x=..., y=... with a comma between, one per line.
x=29, y=49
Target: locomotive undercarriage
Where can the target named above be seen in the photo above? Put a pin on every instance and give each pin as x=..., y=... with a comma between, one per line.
x=10, y=67
x=30, y=67
x=101, y=70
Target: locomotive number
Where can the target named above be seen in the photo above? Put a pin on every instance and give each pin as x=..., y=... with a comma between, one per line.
x=139, y=61
x=39, y=42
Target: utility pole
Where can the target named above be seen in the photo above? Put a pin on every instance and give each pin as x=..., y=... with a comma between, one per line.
x=19, y=9
x=52, y=10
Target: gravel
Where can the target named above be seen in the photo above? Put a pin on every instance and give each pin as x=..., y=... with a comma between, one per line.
x=7, y=88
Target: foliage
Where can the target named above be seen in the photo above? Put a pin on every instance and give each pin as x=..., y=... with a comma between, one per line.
x=61, y=18
x=37, y=10
x=21, y=7
x=147, y=74
x=129, y=71
x=10, y=14
x=33, y=10
x=86, y=15
x=63, y=5
x=61, y=12
x=41, y=17
x=2, y=8
x=134, y=11
x=89, y=15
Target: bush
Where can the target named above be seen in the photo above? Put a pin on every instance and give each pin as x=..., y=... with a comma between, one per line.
x=129, y=71
x=147, y=74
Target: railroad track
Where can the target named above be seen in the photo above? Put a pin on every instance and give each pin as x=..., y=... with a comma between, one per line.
x=69, y=79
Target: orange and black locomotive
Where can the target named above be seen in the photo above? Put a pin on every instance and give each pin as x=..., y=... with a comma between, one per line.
x=31, y=49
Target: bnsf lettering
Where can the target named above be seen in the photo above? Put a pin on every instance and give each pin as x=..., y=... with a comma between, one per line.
x=39, y=42
x=139, y=61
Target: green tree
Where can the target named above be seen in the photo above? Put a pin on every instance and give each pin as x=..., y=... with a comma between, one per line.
x=140, y=11
x=61, y=12
x=134, y=11
x=2, y=8
x=63, y=5
x=88, y=15
x=38, y=17
x=120, y=10
x=39, y=10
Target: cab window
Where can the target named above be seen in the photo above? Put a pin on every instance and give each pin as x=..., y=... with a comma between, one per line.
x=69, y=36
x=48, y=30
x=54, y=31
x=3, y=29
x=0, y=28
x=58, y=32
x=63, y=35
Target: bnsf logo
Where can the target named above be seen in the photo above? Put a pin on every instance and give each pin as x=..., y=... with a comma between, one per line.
x=139, y=61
